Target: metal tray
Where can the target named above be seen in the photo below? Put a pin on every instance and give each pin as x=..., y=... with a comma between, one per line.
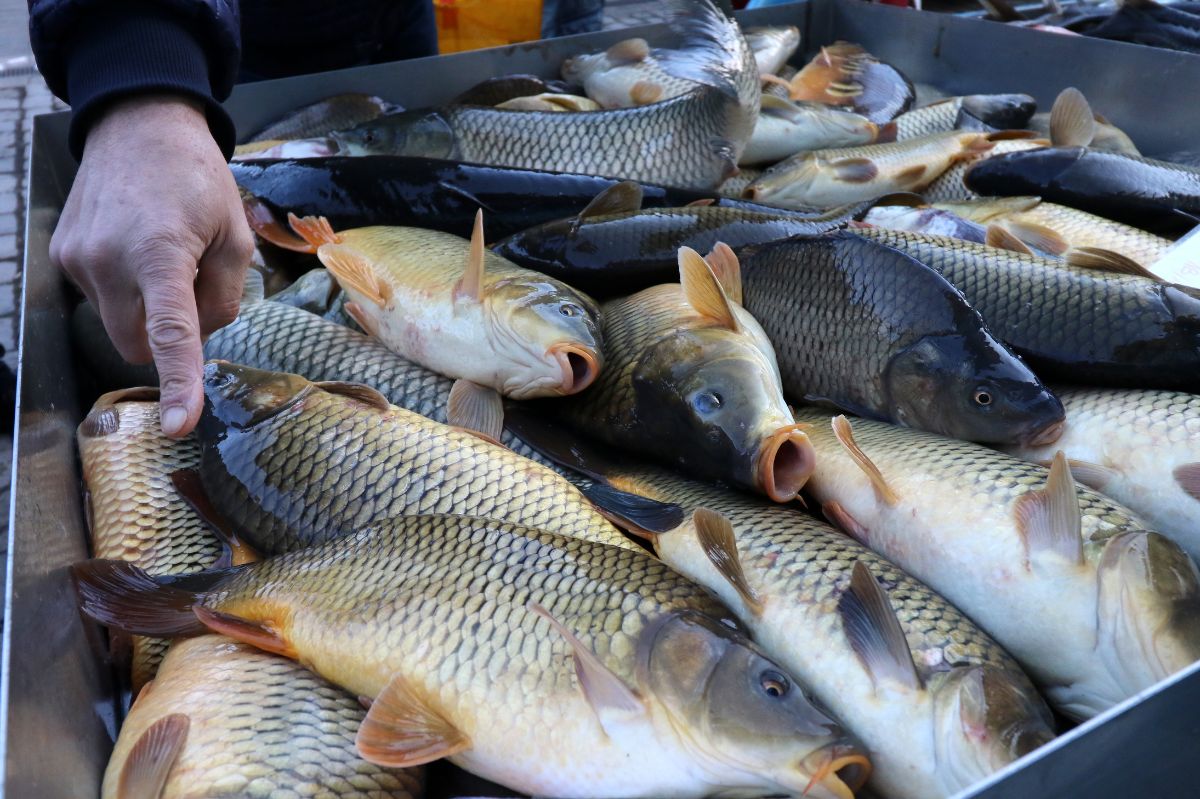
x=58, y=706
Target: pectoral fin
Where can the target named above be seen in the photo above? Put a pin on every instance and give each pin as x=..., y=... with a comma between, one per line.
x=845, y=436
x=633, y=513
x=470, y=286
x=703, y=291
x=353, y=271
x=855, y=170
x=716, y=537
x=146, y=769
x=841, y=518
x=874, y=631
x=1092, y=475
x=476, y=409
x=645, y=92
x=1049, y=519
x=1188, y=477
x=726, y=268
x=1038, y=236
x=1002, y=238
x=1072, y=123
x=403, y=729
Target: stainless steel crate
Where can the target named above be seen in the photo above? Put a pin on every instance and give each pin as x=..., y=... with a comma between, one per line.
x=58, y=705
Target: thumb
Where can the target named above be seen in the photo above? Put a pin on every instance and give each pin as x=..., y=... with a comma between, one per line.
x=173, y=333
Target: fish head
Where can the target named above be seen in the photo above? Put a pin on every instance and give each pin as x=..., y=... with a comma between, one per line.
x=984, y=719
x=239, y=397
x=1024, y=172
x=971, y=388
x=740, y=716
x=551, y=329
x=995, y=111
x=715, y=398
x=424, y=134
x=787, y=183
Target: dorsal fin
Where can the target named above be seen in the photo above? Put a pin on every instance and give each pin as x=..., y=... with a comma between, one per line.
x=619, y=198
x=470, y=285
x=725, y=267
x=476, y=409
x=845, y=436
x=402, y=728
x=703, y=291
x=1072, y=123
x=874, y=631
x=356, y=391
x=1001, y=238
x=146, y=769
x=1049, y=519
x=716, y=537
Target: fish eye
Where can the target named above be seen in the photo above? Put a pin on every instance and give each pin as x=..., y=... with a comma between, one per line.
x=982, y=397
x=570, y=309
x=774, y=684
x=369, y=136
x=707, y=401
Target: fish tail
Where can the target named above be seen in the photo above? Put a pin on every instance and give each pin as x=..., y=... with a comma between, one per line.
x=120, y=595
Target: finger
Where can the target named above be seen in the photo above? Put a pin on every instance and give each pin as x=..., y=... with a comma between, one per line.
x=124, y=318
x=219, y=285
x=173, y=333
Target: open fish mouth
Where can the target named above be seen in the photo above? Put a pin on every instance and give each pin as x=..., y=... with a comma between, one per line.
x=785, y=463
x=580, y=366
x=1046, y=435
x=838, y=768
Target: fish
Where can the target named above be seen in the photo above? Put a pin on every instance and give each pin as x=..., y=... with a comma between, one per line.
x=279, y=338
x=553, y=666
x=1123, y=187
x=772, y=46
x=950, y=185
x=626, y=75
x=736, y=185
x=226, y=719
x=1154, y=24
x=926, y=219
x=844, y=74
x=133, y=509
x=691, y=141
x=338, y=112
x=824, y=178
x=1138, y=446
x=1071, y=122
x=418, y=192
x=1057, y=230
x=1094, y=605
x=615, y=247
x=313, y=291
x=260, y=432
x=461, y=310
x=905, y=677
x=692, y=381
x=785, y=128
x=982, y=112
x=1070, y=323
x=502, y=88
x=550, y=102
x=898, y=341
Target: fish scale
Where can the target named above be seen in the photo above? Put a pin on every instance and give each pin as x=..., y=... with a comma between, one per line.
x=135, y=511
x=933, y=118
x=949, y=186
x=259, y=725
x=327, y=464
x=1081, y=324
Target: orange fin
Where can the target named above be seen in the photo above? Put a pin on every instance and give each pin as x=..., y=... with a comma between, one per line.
x=841, y=517
x=628, y=51
x=235, y=551
x=470, y=285
x=703, y=291
x=1108, y=261
x=146, y=769
x=356, y=391
x=725, y=266
x=874, y=631
x=1188, y=477
x=645, y=92
x=845, y=436
x=316, y=230
x=476, y=409
x=1039, y=236
x=885, y=133
x=715, y=534
x=257, y=634
x=402, y=729
x=352, y=271
x=1002, y=238
x=1048, y=518
x=263, y=222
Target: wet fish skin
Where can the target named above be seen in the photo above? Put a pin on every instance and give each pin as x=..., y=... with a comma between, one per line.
x=313, y=292
x=900, y=342
x=784, y=129
x=926, y=219
x=260, y=432
x=950, y=185
x=689, y=709
x=985, y=112
x=286, y=721
x=135, y=513
x=626, y=75
x=1074, y=325
x=1140, y=447
x=1126, y=600
x=338, y=112
x=772, y=46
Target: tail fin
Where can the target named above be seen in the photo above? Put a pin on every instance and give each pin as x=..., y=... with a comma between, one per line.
x=712, y=49
x=119, y=594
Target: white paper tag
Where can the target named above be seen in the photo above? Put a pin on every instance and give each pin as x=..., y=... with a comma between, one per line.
x=1181, y=264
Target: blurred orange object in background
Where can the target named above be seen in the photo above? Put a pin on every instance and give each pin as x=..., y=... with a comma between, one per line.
x=472, y=24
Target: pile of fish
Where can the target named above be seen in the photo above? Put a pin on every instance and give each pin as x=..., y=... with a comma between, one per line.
x=563, y=450
x=1171, y=24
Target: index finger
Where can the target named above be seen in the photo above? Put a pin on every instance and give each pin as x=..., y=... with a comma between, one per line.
x=173, y=333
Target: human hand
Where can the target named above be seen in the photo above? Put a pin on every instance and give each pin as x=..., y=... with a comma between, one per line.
x=154, y=234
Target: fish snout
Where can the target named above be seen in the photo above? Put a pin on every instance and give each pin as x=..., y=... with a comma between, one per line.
x=580, y=366
x=785, y=463
x=840, y=769
x=1046, y=435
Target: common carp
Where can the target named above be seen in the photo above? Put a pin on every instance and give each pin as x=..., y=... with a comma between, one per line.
x=784, y=128
x=984, y=112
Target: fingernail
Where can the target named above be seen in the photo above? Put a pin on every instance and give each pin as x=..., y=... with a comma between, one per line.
x=173, y=420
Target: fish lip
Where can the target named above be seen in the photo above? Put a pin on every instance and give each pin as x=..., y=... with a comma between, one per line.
x=785, y=462
x=580, y=366
x=1045, y=435
x=825, y=763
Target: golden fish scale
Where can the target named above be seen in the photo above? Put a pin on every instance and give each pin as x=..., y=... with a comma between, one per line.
x=426, y=260
x=1082, y=229
x=811, y=563
x=442, y=600
x=378, y=464
x=136, y=513
x=974, y=475
x=900, y=154
x=260, y=725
